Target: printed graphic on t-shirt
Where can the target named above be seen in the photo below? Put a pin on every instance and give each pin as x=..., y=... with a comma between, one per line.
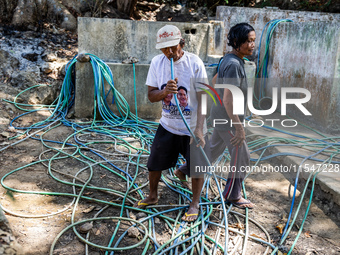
x=169, y=104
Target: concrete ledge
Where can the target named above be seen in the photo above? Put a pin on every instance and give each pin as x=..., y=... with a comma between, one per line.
x=327, y=183
x=123, y=82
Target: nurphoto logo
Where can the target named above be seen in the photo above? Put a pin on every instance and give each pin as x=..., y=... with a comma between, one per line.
x=238, y=105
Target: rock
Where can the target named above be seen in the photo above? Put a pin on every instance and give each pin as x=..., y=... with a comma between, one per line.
x=5, y=134
x=78, y=5
x=26, y=78
x=62, y=70
x=8, y=63
x=157, y=220
x=70, y=114
x=112, y=13
x=51, y=57
x=23, y=14
x=141, y=215
x=12, y=129
x=41, y=95
x=69, y=22
x=130, y=60
x=180, y=14
x=83, y=58
x=148, y=4
x=46, y=68
x=10, y=107
x=133, y=232
x=87, y=14
x=86, y=227
x=132, y=216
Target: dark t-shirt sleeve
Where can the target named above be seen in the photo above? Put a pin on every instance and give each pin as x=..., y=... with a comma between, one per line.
x=229, y=74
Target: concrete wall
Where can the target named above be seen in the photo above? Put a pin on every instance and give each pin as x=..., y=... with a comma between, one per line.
x=123, y=82
x=114, y=40
x=304, y=54
x=258, y=18
x=307, y=55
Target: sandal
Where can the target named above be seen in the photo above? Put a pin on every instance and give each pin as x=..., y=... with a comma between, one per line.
x=141, y=205
x=188, y=215
x=239, y=204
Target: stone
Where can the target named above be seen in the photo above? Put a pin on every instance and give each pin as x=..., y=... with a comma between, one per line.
x=12, y=129
x=51, y=57
x=41, y=95
x=83, y=58
x=62, y=70
x=8, y=63
x=133, y=232
x=86, y=227
x=46, y=68
x=130, y=60
x=26, y=78
x=132, y=216
x=78, y=5
x=141, y=215
x=5, y=134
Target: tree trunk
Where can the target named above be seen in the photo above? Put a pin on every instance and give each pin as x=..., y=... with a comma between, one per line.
x=25, y=13
x=33, y=12
x=126, y=6
x=6, y=10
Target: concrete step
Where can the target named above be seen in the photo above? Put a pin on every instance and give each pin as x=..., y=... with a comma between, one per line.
x=327, y=181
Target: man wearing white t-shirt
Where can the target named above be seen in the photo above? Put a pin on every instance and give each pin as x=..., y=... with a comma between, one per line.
x=172, y=137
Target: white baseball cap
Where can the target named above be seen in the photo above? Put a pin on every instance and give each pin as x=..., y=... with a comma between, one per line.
x=168, y=36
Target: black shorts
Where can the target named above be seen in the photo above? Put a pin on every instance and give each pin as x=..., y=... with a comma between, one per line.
x=166, y=148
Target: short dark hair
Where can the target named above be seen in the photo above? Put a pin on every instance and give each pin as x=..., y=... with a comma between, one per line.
x=181, y=87
x=238, y=34
x=182, y=43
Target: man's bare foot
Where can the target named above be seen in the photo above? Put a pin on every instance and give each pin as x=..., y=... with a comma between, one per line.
x=182, y=178
x=241, y=203
x=141, y=204
x=192, y=213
